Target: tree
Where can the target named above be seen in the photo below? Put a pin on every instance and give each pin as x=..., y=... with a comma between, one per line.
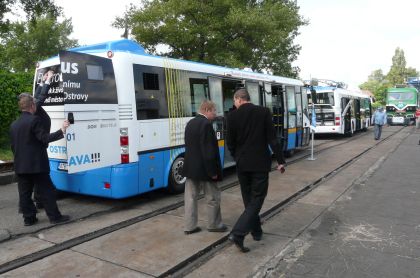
x=399, y=72
x=377, y=85
x=257, y=34
x=32, y=8
x=32, y=41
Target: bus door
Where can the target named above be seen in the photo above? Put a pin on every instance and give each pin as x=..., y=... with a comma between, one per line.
x=292, y=117
x=357, y=114
x=279, y=117
x=346, y=114
x=91, y=106
x=221, y=93
x=267, y=96
x=299, y=116
x=253, y=89
x=306, y=119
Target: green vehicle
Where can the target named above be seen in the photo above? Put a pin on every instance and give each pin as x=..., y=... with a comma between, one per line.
x=401, y=105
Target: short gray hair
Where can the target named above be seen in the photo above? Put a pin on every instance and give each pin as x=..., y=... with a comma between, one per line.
x=242, y=94
x=207, y=105
x=25, y=101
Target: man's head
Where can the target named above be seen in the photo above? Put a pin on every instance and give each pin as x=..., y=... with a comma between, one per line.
x=380, y=109
x=26, y=103
x=240, y=97
x=208, y=109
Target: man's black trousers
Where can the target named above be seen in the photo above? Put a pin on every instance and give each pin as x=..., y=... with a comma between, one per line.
x=254, y=186
x=46, y=192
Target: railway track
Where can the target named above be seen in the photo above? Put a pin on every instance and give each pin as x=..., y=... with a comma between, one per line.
x=6, y=167
x=199, y=258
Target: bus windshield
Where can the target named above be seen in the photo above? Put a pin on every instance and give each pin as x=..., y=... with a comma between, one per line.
x=325, y=98
x=401, y=96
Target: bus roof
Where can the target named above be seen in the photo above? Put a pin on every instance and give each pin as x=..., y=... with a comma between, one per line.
x=402, y=90
x=124, y=45
x=131, y=47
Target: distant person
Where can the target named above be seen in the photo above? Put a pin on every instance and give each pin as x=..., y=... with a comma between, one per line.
x=203, y=169
x=379, y=119
x=417, y=118
x=29, y=141
x=250, y=132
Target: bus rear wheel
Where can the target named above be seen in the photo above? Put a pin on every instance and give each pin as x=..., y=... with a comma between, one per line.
x=176, y=179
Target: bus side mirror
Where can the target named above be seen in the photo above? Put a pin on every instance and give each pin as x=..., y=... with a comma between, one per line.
x=70, y=118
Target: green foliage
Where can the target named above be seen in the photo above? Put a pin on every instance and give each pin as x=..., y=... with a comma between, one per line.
x=11, y=85
x=6, y=154
x=32, y=8
x=234, y=33
x=32, y=41
x=378, y=83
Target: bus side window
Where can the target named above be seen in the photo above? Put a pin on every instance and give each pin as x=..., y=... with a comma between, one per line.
x=199, y=92
x=150, y=92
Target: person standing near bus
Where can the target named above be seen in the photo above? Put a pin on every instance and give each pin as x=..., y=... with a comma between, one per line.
x=379, y=119
x=250, y=132
x=41, y=94
x=29, y=141
x=202, y=168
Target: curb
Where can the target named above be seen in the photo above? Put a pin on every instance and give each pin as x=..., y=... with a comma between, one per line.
x=7, y=178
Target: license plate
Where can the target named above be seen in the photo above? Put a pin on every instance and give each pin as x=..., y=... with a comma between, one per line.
x=63, y=166
x=398, y=120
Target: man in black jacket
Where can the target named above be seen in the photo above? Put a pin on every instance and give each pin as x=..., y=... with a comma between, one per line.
x=29, y=145
x=250, y=133
x=202, y=167
x=41, y=93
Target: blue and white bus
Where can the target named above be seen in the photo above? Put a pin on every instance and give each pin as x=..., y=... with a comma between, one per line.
x=128, y=111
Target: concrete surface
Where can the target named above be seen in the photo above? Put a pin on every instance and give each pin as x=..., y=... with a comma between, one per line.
x=308, y=238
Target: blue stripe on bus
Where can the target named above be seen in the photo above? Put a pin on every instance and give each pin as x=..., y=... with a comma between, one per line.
x=125, y=179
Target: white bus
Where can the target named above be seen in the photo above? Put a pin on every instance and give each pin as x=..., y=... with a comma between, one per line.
x=129, y=109
x=339, y=110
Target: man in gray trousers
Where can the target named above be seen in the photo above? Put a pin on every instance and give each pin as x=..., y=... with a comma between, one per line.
x=203, y=169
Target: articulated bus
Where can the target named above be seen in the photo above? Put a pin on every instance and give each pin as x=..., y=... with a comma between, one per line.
x=401, y=105
x=339, y=110
x=129, y=109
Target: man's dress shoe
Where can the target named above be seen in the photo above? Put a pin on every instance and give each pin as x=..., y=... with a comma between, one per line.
x=196, y=230
x=239, y=243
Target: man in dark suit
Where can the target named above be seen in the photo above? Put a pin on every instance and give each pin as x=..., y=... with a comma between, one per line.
x=41, y=94
x=203, y=168
x=29, y=145
x=250, y=132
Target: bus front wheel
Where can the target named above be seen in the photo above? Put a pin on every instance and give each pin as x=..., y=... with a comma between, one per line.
x=176, y=179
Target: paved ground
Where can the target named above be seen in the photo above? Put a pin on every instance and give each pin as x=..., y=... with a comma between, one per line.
x=371, y=231
x=362, y=222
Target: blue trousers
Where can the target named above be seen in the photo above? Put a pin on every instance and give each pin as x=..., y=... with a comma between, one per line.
x=378, y=131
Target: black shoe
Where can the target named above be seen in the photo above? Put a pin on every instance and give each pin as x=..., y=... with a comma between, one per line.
x=29, y=221
x=221, y=229
x=196, y=230
x=239, y=243
x=257, y=236
x=61, y=219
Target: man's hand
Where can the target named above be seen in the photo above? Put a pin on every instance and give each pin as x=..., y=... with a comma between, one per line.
x=66, y=124
x=281, y=168
x=214, y=177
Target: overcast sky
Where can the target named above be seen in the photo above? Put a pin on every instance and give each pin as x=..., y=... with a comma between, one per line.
x=345, y=40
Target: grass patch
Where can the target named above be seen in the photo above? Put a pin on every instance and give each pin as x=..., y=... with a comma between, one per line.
x=6, y=154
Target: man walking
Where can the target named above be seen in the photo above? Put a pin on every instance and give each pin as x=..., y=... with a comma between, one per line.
x=29, y=145
x=379, y=119
x=202, y=167
x=250, y=132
